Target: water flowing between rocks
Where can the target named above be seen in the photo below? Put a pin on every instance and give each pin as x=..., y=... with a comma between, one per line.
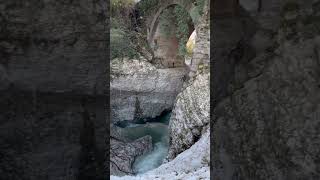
x=158, y=129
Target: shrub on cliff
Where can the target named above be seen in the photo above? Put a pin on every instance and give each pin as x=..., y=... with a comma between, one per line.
x=121, y=45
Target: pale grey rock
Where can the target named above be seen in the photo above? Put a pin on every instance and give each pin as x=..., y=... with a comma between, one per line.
x=201, y=51
x=191, y=164
x=123, y=154
x=267, y=126
x=190, y=116
x=189, y=124
x=137, y=84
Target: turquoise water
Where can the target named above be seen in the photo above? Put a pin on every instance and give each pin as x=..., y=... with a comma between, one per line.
x=158, y=130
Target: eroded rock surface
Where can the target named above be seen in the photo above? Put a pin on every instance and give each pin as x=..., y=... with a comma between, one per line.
x=123, y=154
x=54, y=46
x=190, y=164
x=267, y=124
x=52, y=55
x=139, y=90
x=190, y=116
x=189, y=124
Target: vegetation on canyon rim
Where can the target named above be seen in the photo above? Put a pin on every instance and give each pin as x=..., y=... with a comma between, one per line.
x=128, y=25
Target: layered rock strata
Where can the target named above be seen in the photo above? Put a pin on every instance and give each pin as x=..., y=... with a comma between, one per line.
x=139, y=90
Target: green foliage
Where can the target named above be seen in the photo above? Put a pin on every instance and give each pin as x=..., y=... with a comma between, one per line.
x=118, y=5
x=120, y=44
x=117, y=23
x=183, y=20
x=123, y=40
x=120, y=13
x=175, y=20
x=200, y=6
x=147, y=6
x=197, y=10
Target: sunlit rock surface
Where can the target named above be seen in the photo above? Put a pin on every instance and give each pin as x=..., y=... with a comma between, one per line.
x=190, y=164
x=139, y=90
x=190, y=116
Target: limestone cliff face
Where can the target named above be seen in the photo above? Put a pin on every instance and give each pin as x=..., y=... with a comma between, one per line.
x=191, y=115
x=139, y=90
x=266, y=123
x=201, y=51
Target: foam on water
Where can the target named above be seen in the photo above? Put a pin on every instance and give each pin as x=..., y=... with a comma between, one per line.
x=151, y=160
x=158, y=130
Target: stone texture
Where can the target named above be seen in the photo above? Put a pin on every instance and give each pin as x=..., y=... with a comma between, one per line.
x=190, y=116
x=123, y=154
x=54, y=46
x=189, y=123
x=44, y=136
x=52, y=55
x=266, y=125
x=190, y=164
x=153, y=21
x=201, y=51
x=137, y=84
x=166, y=49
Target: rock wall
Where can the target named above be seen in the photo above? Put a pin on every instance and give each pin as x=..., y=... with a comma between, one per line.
x=189, y=123
x=45, y=136
x=52, y=55
x=123, y=154
x=201, y=51
x=139, y=90
x=190, y=116
x=266, y=110
x=190, y=164
x=54, y=46
x=191, y=113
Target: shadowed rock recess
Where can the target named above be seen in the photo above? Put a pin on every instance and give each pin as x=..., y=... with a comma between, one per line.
x=52, y=119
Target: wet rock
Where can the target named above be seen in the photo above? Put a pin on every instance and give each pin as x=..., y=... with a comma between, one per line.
x=123, y=154
x=190, y=164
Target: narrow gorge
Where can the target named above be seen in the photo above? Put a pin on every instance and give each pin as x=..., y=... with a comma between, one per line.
x=160, y=90
x=160, y=98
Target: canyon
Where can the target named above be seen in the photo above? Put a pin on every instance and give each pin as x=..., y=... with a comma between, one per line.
x=262, y=75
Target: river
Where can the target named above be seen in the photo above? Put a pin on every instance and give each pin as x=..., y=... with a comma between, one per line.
x=158, y=129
